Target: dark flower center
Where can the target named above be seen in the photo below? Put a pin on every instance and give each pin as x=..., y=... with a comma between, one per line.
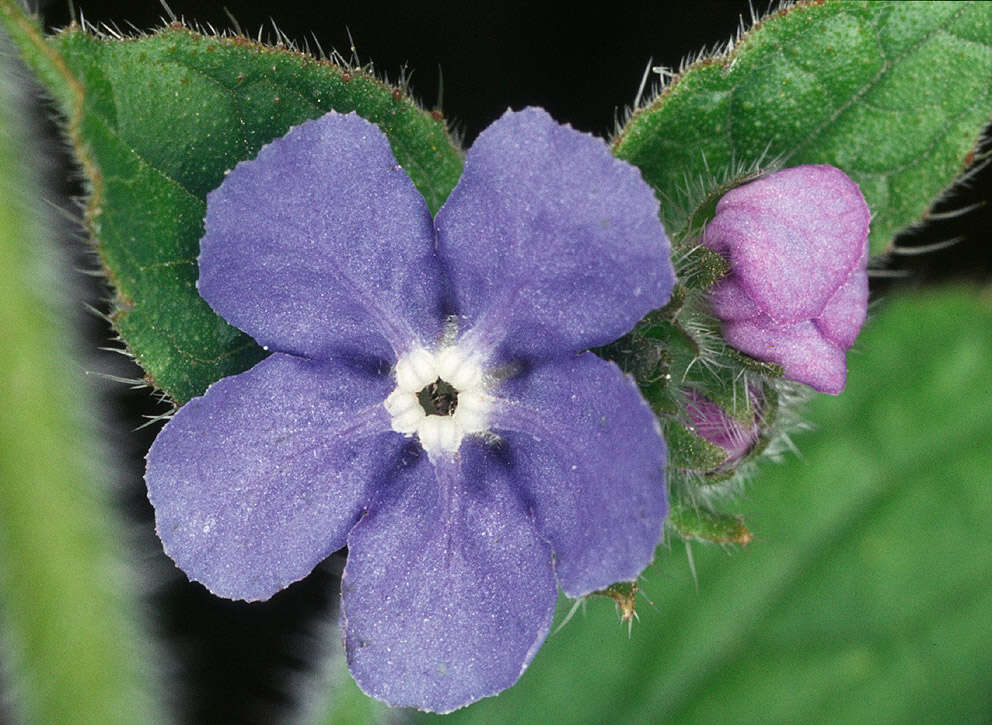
x=438, y=398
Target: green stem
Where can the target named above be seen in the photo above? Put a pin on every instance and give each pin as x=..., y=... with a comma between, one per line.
x=72, y=649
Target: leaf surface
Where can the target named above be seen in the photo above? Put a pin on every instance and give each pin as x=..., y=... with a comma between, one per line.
x=156, y=122
x=895, y=94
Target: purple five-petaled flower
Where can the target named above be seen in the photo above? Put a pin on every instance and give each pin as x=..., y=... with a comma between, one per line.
x=427, y=402
x=797, y=292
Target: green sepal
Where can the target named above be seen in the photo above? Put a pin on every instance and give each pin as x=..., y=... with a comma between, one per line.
x=156, y=121
x=759, y=367
x=701, y=267
x=688, y=451
x=700, y=524
x=672, y=337
x=624, y=595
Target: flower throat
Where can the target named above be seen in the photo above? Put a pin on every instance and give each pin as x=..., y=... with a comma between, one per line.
x=438, y=398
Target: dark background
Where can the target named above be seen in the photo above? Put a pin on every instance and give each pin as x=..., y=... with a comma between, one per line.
x=232, y=662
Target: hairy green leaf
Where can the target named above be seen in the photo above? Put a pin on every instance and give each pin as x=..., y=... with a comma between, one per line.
x=864, y=596
x=156, y=122
x=894, y=93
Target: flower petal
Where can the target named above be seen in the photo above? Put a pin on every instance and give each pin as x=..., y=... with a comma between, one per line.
x=552, y=244
x=804, y=353
x=448, y=591
x=729, y=301
x=792, y=238
x=589, y=454
x=260, y=479
x=323, y=243
x=844, y=315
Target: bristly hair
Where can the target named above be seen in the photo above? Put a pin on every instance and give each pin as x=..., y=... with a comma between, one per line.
x=273, y=37
x=719, y=52
x=698, y=191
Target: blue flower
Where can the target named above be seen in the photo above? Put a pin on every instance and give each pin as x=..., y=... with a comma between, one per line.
x=427, y=402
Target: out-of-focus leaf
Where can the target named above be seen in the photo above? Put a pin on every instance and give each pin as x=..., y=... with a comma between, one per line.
x=336, y=700
x=865, y=596
x=894, y=93
x=156, y=121
x=72, y=649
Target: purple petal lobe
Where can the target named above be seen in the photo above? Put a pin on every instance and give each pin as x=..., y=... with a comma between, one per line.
x=552, y=244
x=322, y=244
x=792, y=238
x=262, y=477
x=587, y=454
x=448, y=591
x=845, y=313
x=802, y=351
x=730, y=301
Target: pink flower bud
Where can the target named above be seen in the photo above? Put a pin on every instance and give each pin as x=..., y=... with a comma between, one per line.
x=716, y=426
x=797, y=291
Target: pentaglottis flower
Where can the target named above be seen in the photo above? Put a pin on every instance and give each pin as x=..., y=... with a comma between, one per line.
x=427, y=402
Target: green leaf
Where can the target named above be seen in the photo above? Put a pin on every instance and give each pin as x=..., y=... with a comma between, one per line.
x=156, y=121
x=894, y=93
x=72, y=648
x=865, y=594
